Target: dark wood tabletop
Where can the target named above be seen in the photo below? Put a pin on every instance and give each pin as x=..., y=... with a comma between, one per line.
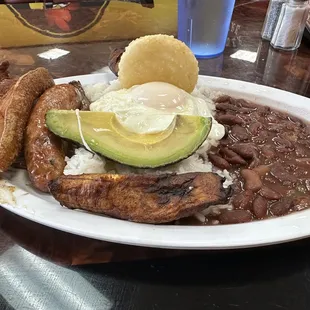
x=42, y=268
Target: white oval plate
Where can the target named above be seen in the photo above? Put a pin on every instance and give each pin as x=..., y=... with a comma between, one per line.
x=42, y=208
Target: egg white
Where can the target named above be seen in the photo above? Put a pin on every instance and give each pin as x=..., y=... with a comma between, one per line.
x=151, y=108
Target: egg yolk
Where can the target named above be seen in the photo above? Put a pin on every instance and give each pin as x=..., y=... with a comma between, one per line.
x=160, y=96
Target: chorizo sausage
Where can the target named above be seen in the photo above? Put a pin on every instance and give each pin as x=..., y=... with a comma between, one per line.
x=44, y=151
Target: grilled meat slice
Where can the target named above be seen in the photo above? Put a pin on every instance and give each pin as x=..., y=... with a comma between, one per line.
x=15, y=108
x=6, y=82
x=85, y=103
x=141, y=198
x=4, y=70
x=114, y=59
x=44, y=151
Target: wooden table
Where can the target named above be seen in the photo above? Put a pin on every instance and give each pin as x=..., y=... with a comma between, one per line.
x=41, y=268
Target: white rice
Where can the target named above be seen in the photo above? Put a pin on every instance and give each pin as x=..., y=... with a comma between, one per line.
x=86, y=162
x=96, y=91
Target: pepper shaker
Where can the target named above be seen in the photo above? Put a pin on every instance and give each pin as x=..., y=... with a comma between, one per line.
x=291, y=25
x=271, y=19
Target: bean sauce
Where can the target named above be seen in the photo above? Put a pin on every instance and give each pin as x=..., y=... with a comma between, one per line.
x=268, y=153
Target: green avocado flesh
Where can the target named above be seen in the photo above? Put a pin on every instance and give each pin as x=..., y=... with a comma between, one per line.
x=105, y=135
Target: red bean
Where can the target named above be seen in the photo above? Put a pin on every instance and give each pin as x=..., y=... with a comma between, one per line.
x=224, y=106
x=305, y=162
x=252, y=180
x=290, y=136
x=283, y=149
x=234, y=101
x=223, y=98
x=272, y=118
x=281, y=115
x=282, y=142
x=264, y=111
x=269, y=193
x=290, y=126
x=275, y=127
x=254, y=128
x=246, y=150
x=229, y=119
x=301, y=203
x=245, y=110
x=237, y=160
x=239, y=133
x=235, y=217
x=246, y=104
x=281, y=207
x=243, y=200
x=300, y=151
x=278, y=171
x=260, y=207
x=219, y=161
x=268, y=151
x=262, y=170
x=262, y=137
x=254, y=163
x=232, y=157
x=294, y=119
x=305, y=142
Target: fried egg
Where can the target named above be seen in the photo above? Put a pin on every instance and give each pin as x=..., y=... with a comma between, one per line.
x=151, y=108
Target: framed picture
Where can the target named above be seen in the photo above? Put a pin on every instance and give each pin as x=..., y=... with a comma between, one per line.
x=60, y=21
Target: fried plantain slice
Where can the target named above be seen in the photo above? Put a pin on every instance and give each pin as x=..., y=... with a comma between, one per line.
x=141, y=198
x=15, y=108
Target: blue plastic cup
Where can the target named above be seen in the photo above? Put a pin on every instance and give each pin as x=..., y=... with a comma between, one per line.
x=203, y=25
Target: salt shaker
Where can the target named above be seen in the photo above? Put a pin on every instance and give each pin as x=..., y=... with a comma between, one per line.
x=291, y=25
x=271, y=19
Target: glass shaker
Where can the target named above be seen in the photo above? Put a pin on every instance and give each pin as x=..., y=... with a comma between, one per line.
x=271, y=19
x=291, y=25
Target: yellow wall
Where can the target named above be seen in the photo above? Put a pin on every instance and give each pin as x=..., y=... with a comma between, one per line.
x=121, y=20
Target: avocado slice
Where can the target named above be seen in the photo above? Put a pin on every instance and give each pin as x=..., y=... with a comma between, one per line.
x=104, y=134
